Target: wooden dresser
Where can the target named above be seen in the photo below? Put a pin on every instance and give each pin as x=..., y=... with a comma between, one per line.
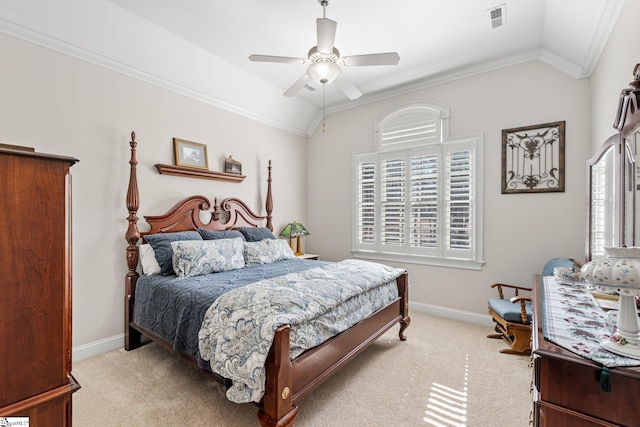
x=566, y=387
x=35, y=296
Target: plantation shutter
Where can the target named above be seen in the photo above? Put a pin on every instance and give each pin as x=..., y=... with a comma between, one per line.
x=366, y=200
x=392, y=201
x=458, y=199
x=410, y=127
x=424, y=217
x=416, y=195
x=603, y=219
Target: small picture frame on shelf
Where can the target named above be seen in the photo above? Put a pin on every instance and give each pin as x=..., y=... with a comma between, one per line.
x=190, y=154
x=232, y=166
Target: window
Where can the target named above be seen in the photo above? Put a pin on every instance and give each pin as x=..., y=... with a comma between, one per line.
x=418, y=194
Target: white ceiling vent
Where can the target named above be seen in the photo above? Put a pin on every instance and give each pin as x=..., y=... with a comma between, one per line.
x=498, y=16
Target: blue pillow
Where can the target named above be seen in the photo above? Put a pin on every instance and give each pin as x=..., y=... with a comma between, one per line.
x=161, y=244
x=220, y=234
x=255, y=234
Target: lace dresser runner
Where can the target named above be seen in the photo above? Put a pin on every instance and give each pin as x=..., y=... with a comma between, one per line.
x=571, y=320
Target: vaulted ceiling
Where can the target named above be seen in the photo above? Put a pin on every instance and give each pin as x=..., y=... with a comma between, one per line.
x=201, y=47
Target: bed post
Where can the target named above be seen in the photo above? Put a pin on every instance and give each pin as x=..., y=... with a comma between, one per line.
x=131, y=336
x=269, y=203
x=403, y=291
x=277, y=406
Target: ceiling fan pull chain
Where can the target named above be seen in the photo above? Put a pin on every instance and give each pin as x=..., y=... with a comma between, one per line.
x=324, y=95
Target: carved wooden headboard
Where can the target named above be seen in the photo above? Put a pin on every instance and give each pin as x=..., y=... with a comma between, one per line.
x=187, y=214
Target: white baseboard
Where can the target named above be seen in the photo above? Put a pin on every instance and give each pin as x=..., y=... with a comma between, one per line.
x=97, y=347
x=465, y=316
x=112, y=343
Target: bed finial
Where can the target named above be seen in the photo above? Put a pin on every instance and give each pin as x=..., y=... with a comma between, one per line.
x=269, y=204
x=133, y=235
x=215, y=215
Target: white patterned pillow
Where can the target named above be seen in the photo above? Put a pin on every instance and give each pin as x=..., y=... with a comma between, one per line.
x=196, y=257
x=266, y=251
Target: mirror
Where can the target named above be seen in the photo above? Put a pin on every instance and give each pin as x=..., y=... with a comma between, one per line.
x=612, y=204
x=612, y=201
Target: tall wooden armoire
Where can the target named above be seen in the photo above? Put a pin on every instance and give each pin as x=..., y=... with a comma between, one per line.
x=35, y=287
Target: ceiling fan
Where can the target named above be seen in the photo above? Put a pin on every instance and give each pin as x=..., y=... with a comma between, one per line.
x=324, y=61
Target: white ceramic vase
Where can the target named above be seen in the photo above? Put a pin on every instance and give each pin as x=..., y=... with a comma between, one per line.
x=619, y=268
x=619, y=271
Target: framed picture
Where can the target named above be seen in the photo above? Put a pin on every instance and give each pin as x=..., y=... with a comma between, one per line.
x=232, y=166
x=190, y=154
x=533, y=159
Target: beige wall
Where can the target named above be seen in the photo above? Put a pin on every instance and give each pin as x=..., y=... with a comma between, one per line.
x=614, y=72
x=521, y=231
x=61, y=105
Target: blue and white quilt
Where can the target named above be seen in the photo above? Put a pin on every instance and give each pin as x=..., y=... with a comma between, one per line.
x=238, y=328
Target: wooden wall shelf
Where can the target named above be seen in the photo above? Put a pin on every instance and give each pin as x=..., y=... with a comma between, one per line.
x=198, y=173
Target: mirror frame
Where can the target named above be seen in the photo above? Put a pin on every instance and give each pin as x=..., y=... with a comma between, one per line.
x=627, y=122
x=624, y=232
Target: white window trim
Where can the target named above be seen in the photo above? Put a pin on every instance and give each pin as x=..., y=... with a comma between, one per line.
x=413, y=106
x=467, y=264
x=373, y=252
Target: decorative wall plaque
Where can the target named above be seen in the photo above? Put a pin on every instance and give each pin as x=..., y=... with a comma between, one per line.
x=533, y=159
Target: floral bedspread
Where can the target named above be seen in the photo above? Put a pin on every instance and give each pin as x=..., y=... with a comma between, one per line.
x=238, y=328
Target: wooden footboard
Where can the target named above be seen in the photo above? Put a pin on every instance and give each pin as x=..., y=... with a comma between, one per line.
x=287, y=382
x=290, y=381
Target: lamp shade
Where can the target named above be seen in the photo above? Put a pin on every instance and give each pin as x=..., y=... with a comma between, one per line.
x=324, y=72
x=294, y=229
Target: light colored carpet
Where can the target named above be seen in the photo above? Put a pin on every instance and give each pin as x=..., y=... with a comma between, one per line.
x=447, y=374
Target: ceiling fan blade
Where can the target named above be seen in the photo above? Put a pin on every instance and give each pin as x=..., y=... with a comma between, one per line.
x=297, y=86
x=326, y=34
x=389, y=58
x=347, y=87
x=282, y=59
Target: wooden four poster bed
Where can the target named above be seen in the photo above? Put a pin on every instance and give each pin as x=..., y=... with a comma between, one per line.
x=287, y=381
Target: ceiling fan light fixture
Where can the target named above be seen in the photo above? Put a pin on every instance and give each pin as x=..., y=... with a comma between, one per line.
x=324, y=71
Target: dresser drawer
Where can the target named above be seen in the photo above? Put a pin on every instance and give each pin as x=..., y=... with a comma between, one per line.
x=576, y=387
x=551, y=416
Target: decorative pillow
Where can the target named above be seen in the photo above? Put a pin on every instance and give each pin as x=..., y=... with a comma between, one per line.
x=220, y=234
x=255, y=234
x=266, y=251
x=193, y=258
x=148, y=260
x=161, y=244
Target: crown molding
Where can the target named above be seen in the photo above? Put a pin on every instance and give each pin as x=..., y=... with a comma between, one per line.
x=90, y=56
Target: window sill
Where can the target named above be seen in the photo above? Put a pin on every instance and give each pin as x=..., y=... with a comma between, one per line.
x=418, y=259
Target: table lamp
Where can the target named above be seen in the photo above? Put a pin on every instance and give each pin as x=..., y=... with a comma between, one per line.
x=295, y=230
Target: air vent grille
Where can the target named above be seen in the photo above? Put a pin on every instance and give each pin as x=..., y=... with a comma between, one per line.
x=497, y=16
